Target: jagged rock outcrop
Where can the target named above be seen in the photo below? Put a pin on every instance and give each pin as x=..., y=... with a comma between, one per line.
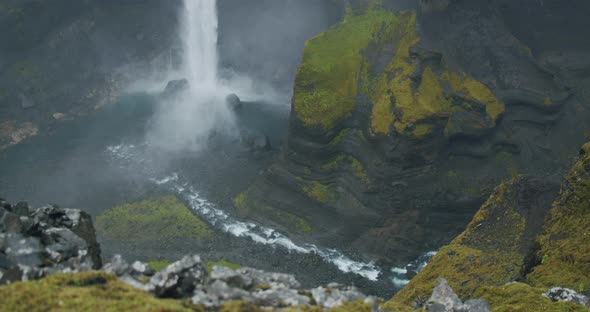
x=400, y=119
x=34, y=243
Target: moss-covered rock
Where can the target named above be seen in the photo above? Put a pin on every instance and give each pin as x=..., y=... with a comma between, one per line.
x=156, y=219
x=90, y=291
x=564, y=249
x=327, y=81
x=494, y=248
x=519, y=297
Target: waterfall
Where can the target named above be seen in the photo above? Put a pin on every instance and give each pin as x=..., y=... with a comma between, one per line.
x=200, y=42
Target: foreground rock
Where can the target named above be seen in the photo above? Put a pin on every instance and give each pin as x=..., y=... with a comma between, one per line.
x=34, y=243
x=189, y=279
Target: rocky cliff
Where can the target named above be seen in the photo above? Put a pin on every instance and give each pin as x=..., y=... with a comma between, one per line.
x=404, y=119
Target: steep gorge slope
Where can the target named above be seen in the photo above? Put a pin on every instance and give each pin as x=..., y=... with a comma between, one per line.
x=403, y=122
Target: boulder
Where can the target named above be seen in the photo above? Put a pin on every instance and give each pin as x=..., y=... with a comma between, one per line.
x=444, y=299
x=557, y=294
x=175, y=87
x=233, y=102
x=47, y=240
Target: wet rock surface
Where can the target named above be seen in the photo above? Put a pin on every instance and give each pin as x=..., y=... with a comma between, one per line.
x=50, y=239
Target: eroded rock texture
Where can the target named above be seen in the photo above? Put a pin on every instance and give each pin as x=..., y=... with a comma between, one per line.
x=404, y=121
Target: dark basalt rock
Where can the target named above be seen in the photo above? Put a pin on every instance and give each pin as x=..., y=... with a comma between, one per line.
x=175, y=87
x=233, y=102
x=47, y=240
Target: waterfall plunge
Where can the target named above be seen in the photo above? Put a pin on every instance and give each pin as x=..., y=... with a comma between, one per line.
x=200, y=40
x=187, y=121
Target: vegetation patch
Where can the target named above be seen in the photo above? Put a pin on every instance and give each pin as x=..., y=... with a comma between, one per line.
x=222, y=263
x=327, y=81
x=156, y=219
x=322, y=193
x=517, y=297
x=87, y=291
x=487, y=253
x=564, y=247
x=159, y=265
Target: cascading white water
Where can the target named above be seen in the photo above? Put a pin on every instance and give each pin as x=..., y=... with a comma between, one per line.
x=200, y=40
x=187, y=120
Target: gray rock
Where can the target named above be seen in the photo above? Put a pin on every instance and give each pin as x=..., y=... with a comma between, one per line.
x=444, y=299
x=475, y=305
x=568, y=295
x=48, y=240
x=175, y=87
x=233, y=102
x=336, y=295
x=444, y=294
x=179, y=279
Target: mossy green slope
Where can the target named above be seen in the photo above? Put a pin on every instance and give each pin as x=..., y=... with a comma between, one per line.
x=406, y=94
x=156, y=219
x=485, y=260
x=519, y=297
x=564, y=247
x=327, y=81
x=89, y=291
x=487, y=253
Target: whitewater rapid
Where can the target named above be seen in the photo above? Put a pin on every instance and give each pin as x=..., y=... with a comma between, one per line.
x=130, y=157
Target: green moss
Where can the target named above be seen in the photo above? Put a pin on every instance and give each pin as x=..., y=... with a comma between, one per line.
x=421, y=131
x=223, y=263
x=399, y=88
x=338, y=139
x=564, y=244
x=516, y=297
x=466, y=269
x=547, y=101
x=358, y=169
x=476, y=91
x=157, y=219
x=393, y=306
x=320, y=192
x=334, y=164
x=240, y=200
x=240, y=306
x=487, y=253
x=159, y=265
x=88, y=291
x=327, y=81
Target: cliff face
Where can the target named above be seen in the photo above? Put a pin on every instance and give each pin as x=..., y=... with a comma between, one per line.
x=403, y=121
x=519, y=244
